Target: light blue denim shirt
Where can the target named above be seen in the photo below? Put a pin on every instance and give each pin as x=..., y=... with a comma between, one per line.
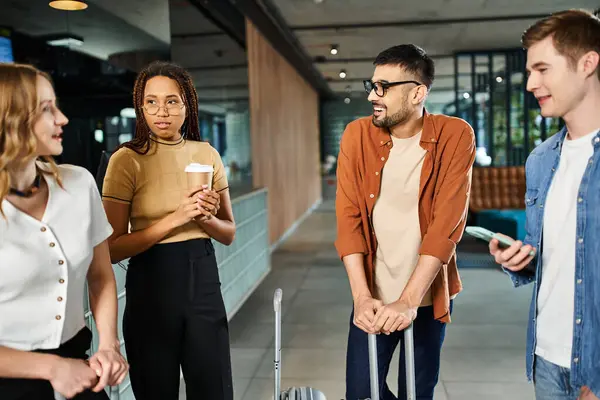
x=541, y=165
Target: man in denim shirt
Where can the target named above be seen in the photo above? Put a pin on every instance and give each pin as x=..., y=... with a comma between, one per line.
x=563, y=213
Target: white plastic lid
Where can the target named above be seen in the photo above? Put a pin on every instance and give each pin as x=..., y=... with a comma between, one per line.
x=195, y=167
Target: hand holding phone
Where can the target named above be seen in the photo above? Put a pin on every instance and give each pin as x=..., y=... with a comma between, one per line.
x=510, y=253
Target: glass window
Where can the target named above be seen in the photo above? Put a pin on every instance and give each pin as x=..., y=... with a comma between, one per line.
x=492, y=97
x=464, y=93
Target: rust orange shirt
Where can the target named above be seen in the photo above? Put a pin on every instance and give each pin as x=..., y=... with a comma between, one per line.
x=444, y=191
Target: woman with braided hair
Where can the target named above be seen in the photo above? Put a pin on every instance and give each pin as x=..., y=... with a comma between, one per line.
x=174, y=316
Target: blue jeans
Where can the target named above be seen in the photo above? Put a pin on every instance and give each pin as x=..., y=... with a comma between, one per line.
x=428, y=338
x=552, y=382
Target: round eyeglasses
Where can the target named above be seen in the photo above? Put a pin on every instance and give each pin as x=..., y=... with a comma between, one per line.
x=172, y=108
x=381, y=88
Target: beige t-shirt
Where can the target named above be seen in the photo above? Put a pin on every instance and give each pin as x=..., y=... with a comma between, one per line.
x=396, y=220
x=154, y=183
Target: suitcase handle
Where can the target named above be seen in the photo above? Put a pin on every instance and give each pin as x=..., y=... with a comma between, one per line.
x=409, y=358
x=373, y=367
x=409, y=355
x=277, y=298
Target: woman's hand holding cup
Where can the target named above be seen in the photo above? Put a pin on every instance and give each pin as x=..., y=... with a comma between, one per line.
x=209, y=202
x=199, y=177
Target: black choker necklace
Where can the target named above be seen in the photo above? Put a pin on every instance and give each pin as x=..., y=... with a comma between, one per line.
x=32, y=190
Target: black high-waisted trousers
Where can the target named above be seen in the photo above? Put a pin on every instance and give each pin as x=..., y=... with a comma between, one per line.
x=175, y=317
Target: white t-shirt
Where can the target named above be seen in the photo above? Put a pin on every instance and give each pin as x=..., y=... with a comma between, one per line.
x=44, y=264
x=556, y=296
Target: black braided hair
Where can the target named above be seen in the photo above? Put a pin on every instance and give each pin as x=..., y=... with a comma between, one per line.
x=190, y=129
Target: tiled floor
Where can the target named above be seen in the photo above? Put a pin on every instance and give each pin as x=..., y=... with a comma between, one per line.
x=482, y=358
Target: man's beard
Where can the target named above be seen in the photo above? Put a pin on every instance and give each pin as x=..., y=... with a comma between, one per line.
x=392, y=120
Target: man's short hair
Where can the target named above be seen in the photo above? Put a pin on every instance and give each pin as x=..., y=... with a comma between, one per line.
x=574, y=33
x=412, y=58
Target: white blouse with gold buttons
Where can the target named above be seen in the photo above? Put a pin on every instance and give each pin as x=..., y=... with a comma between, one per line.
x=44, y=264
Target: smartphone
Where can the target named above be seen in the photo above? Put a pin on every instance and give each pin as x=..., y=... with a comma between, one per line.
x=487, y=235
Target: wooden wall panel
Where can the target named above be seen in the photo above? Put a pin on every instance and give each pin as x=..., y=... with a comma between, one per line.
x=284, y=126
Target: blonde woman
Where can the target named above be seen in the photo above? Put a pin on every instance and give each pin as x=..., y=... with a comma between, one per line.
x=53, y=233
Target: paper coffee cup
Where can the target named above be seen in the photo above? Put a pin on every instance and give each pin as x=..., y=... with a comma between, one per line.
x=198, y=175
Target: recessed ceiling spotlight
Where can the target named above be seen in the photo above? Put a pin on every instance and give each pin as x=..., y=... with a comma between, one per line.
x=318, y=1
x=334, y=49
x=343, y=74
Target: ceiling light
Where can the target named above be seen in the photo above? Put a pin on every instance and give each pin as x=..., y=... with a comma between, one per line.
x=318, y=1
x=499, y=79
x=347, y=100
x=68, y=5
x=334, y=49
x=466, y=95
x=343, y=74
x=64, y=40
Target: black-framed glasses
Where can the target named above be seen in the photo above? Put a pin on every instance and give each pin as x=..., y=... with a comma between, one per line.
x=381, y=88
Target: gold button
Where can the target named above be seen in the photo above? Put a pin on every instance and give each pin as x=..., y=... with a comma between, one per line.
x=580, y=240
x=578, y=321
x=580, y=199
x=381, y=142
x=52, y=244
x=61, y=281
x=382, y=158
x=432, y=139
x=61, y=262
x=58, y=317
x=59, y=298
x=389, y=143
x=579, y=281
x=576, y=360
x=43, y=229
x=376, y=172
x=371, y=195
